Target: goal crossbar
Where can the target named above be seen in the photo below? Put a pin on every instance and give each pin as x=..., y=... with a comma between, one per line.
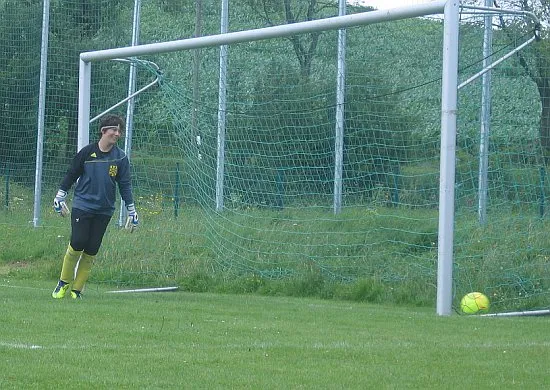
x=333, y=23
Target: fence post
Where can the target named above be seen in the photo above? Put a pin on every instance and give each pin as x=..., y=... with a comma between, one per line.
x=542, y=173
x=395, y=191
x=7, y=178
x=177, y=191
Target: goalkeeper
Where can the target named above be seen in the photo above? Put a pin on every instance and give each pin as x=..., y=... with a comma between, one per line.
x=97, y=168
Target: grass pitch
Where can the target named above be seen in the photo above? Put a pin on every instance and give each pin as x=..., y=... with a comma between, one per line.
x=182, y=340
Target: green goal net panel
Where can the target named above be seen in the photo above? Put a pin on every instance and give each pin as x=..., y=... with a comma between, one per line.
x=277, y=221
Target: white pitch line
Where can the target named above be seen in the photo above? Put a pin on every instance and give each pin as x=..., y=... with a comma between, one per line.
x=20, y=346
x=23, y=287
x=15, y=345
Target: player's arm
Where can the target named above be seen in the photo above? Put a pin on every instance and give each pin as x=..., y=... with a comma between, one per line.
x=125, y=189
x=73, y=173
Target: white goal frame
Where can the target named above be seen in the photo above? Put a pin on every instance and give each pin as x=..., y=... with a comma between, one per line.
x=449, y=97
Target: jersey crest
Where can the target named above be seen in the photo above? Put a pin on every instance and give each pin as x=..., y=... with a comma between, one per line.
x=113, y=169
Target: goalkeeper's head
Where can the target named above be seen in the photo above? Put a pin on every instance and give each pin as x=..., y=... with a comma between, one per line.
x=111, y=121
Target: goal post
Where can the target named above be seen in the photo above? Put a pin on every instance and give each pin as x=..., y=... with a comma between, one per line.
x=265, y=171
x=449, y=99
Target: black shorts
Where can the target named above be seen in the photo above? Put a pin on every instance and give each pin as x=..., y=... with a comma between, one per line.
x=87, y=230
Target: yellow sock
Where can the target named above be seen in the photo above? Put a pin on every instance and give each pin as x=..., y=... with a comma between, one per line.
x=83, y=271
x=69, y=264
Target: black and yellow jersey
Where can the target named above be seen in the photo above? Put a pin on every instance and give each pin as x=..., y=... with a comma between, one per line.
x=97, y=174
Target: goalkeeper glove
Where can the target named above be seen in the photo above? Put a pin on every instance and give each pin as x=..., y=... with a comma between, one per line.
x=59, y=204
x=132, y=220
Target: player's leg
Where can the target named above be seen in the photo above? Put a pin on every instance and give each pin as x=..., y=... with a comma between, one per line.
x=79, y=231
x=97, y=230
x=82, y=274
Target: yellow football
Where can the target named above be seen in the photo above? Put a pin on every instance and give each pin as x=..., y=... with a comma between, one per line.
x=474, y=302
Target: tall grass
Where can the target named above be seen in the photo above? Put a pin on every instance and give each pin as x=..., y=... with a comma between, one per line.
x=379, y=255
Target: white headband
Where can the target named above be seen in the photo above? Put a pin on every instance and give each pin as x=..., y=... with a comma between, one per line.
x=110, y=127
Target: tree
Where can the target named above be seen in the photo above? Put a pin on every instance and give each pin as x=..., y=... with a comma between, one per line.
x=536, y=59
x=274, y=12
x=19, y=71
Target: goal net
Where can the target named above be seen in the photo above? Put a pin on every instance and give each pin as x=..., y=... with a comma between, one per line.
x=242, y=178
x=238, y=182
